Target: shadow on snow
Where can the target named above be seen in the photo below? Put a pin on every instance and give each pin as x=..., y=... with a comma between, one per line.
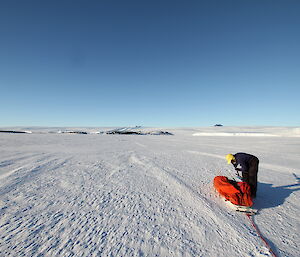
x=270, y=196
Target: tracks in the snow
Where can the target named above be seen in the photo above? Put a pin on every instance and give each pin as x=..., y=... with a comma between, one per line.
x=192, y=201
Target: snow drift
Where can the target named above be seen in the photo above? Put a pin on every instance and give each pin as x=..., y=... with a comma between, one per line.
x=116, y=195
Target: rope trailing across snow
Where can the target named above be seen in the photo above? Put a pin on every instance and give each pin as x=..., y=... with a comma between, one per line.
x=260, y=235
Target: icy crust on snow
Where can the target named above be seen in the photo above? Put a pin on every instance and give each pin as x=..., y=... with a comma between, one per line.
x=249, y=131
x=223, y=134
x=116, y=195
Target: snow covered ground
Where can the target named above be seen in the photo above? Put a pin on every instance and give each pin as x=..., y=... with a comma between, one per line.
x=133, y=195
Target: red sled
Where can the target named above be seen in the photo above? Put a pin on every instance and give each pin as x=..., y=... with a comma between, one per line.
x=237, y=193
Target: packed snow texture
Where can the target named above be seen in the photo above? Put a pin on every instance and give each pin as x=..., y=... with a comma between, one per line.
x=132, y=195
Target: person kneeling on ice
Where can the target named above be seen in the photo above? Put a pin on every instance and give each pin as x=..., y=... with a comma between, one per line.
x=248, y=165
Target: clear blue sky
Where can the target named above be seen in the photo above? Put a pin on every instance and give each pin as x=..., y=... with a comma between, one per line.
x=151, y=63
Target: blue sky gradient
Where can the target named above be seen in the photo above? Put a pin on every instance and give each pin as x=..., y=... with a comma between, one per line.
x=151, y=63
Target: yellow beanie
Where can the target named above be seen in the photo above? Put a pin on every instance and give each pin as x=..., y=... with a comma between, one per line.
x=229, y=158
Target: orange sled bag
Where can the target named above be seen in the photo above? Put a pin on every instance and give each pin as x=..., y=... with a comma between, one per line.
x=238, y=193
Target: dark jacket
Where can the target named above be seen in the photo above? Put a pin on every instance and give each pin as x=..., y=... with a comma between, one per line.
x=242, y=161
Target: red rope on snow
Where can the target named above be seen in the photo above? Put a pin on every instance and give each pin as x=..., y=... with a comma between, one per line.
x=260, y=235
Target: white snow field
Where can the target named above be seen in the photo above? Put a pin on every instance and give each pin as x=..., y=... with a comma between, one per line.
x=133, y=195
